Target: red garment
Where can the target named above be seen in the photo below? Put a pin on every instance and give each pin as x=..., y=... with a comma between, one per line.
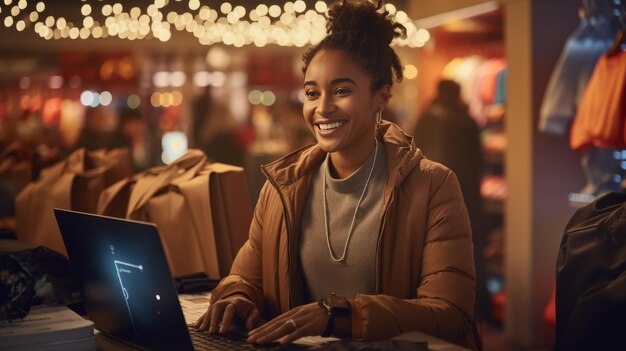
x=488, y=84
x=601, y=116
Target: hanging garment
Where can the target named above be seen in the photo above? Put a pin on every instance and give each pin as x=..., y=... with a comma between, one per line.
x=501, y=86
x=489, y=82
x=600, y=119
x=569, y=78
x=466, y=77
x=484, y=89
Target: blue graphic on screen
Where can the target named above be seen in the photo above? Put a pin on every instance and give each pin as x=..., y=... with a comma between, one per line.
x=126, y=274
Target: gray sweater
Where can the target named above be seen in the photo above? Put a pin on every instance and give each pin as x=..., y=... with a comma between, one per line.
x=356, y=274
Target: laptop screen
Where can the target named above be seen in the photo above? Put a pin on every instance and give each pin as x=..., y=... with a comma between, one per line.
x=126, y=283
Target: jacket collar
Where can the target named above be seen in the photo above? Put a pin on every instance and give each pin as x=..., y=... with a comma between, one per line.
x=402, y=157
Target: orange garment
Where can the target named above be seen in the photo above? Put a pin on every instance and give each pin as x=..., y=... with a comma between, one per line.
x=488, y=83
x=600, y=119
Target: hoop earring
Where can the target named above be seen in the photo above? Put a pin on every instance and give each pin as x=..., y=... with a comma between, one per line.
x=379, y=117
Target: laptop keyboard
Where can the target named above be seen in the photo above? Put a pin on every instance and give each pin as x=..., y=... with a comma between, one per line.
x=230, y=341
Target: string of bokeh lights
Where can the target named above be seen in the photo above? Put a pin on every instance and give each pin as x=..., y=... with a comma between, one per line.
x=293, y=24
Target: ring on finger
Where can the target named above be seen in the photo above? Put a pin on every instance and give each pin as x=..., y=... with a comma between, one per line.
x=293, y=324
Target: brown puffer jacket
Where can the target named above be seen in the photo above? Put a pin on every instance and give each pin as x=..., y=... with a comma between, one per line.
x=425, y=277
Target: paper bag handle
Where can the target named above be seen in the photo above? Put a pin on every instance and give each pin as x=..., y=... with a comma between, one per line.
x=183, y=169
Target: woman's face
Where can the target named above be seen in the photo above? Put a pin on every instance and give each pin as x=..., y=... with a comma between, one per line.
x=339, y=106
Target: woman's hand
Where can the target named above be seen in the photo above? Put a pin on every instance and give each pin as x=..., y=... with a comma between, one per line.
x=220, y=314
x=301, y=321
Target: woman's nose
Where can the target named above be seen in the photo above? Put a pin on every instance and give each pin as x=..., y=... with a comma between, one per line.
x=326, y=105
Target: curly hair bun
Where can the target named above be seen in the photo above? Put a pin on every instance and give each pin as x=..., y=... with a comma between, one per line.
x=364, y=17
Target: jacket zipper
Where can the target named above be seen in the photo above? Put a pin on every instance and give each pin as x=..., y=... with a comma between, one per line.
x=280, y=195
x=380, y=237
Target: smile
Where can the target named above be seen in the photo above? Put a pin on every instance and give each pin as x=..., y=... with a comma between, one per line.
x=329, y=126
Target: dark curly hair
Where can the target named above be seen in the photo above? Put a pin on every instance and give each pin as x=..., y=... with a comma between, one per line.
x=361, y=29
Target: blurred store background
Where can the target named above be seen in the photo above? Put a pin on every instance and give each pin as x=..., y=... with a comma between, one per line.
x=163, y=76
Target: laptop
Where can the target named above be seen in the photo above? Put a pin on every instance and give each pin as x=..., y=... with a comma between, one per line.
x=127, y=288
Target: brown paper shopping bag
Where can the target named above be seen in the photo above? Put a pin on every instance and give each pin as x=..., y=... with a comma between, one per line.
x=21, y=163
x=202, y=210
x=75, y=184
x=16, y=166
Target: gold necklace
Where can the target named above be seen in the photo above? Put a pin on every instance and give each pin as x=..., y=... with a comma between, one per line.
x=358, y=204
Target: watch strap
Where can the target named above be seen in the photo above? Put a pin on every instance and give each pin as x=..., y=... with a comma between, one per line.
x=330, y=326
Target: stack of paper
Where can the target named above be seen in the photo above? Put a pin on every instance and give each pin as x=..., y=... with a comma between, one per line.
x=48, y=329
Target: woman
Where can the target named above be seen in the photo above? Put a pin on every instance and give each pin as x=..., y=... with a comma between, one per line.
x=360, y=221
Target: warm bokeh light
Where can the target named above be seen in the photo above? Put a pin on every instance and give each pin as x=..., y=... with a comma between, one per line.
x=133, y=101
x=177, y=98
x=194, y=4
x=160, y=79
x=299, y=6
x=218, y=79
x=289, y=23
x=274, y=11
x=255, y=97
x=155, y=99
x=321, y=7
x=55, y=82
x=269, y=98
x=107, y=10
x=422, y=35
x=262, y=9
x=86, y=98
x=174, y=146
x=85, y=10
x=106, y=98
x=226, y=7
x=177, y=79
x=410, y=72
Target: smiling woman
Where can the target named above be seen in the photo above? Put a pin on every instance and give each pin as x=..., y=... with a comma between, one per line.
x=358, y=236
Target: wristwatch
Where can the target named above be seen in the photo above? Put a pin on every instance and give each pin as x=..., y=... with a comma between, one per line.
x=335, y=306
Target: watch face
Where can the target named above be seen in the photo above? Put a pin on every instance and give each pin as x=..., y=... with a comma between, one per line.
x=337, y=304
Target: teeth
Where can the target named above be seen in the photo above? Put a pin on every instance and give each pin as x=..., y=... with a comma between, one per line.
x=328, y=126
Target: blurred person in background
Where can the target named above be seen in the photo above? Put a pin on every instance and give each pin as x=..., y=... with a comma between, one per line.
x=215, y=131
x=201, y=108
x=447, y=134
x=102, y=130
x=133, y=129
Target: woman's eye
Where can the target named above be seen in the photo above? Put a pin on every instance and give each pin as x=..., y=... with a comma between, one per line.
x=311, y=94
x=342, y=91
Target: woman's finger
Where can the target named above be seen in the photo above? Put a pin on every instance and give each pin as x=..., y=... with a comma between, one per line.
x=216, y=316
x=253, y=319
x=203, y=323
x=300, y=331
x=227, y=318
x=198, y=323
x=274, y=323
x=276, y=333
